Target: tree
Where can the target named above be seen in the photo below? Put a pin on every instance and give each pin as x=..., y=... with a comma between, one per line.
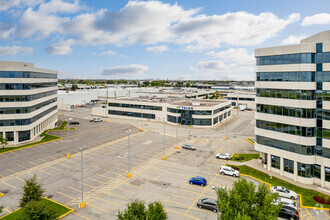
x=3, y=142
x=213, y=96
x=74, y=87
x=206, y=96
x=2, y=207
x=137, y=210
x=244, y=202
x=217, y=94
x=32, y=191
x=39, y=211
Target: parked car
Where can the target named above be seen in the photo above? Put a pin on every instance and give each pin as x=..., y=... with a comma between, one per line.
x=208, y=203
x=286, y=202
x=74, y=123
x=225, y=156
x=96, y=120
x=198, y=180
x=225, y=170
x=288, y=213
x=188, y=147
x=69, y=119
x=284, y=192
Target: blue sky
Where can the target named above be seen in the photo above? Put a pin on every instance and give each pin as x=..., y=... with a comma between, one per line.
x=187, y=39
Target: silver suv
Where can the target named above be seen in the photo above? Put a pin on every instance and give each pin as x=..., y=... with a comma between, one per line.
x=189, y=147
x=224, y=170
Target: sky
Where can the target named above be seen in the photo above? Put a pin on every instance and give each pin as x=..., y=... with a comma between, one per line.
x=176, y=40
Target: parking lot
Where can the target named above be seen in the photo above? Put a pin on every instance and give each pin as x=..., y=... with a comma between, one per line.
x=107, y=188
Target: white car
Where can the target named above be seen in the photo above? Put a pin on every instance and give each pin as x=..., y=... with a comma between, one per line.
x=188, y=147
x=286, y=202
x=97, y=119
x=225, y=156
x=284, y=192
x=224, y=170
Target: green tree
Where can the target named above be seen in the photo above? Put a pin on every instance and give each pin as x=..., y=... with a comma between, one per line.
x=3, y=142
x=32, y=191
x=217, y=94
x=74, y=87
x=136, y=210
x=39, y=211
x=244, y=202
x=206, y=96
x=213, y=96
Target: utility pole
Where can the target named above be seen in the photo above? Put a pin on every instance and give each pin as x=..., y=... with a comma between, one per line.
x=164, y=139
x=177, y=127
x=141, y=118
x=82, y=204
x=67, y=127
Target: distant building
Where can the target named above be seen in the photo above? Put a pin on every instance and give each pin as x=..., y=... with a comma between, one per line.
x=293, y=109
x=28, y=97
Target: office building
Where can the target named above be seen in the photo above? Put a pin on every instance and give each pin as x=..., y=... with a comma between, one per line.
x=28, y=101
x=293, y=109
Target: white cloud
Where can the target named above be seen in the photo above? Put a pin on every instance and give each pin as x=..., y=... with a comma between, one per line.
x=61, y=48
x=322, y=18
x=153, y=22
x=293, y=39
x=228, y=64
x=184, y=77
x=69, y=75
x=7, y=4
x=109, y=52
x=157, y=49
x=5, y=30
x=45, y=21
x=15, y=50
x=134, y=70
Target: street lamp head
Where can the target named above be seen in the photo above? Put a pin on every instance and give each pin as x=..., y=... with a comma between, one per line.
x=128, y=131
x=82, y=148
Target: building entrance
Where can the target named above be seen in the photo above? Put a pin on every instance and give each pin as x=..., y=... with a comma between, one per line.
x=186, y=117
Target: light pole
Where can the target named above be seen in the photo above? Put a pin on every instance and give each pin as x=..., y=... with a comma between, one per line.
x=67, y=127
x=141, y=119
x=226, y=126
x=129, y=154
x=164, y=139
x=82, y=204
x=177, y=127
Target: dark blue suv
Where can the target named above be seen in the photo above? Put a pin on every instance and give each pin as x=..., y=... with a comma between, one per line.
x=198, y=180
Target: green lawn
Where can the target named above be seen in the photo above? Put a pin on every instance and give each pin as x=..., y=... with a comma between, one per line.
x=246, y=156
x=20, y=214
x=61, y=127
x=307, y=195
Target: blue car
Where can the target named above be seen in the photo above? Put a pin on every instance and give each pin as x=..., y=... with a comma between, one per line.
x=198, y=180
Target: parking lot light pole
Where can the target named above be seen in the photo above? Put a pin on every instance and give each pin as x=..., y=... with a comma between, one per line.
x=67, y=127
x=82, y=204
x=164, y=140
x=129, y=154
x=141, y=119
x=177, y=127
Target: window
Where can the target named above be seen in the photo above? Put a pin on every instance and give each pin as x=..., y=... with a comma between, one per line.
x=275, y=162
x=10, y=135
x=23, y=136
x=202, y=122
x=23, y=74
x=327, y=174
x=286, y=59
x=288, y=166
x=132, y=114
x=147, y=107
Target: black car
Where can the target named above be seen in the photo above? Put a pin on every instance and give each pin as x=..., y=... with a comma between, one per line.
x=74, y=122
x=207, y=203
x=288, y=213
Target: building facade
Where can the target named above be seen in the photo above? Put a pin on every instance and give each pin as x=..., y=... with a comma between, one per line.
x=293, y=109
x=198, y=113
x=28, y=101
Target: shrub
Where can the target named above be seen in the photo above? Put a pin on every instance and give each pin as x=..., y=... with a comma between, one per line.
x=323, y=200
x=38, y=211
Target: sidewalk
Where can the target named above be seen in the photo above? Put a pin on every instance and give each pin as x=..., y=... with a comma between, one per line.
x=260, y=166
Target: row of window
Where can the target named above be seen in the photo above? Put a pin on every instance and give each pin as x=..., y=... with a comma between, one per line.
x=286, y=111
x=286, y=94
x=296, y=148
x=286, y=59
x=287, y=76
x=194, y=112
x=26, y=98
x=286, y=128
x=240, y=98
x=25, y=86
x=221, y=109
x=132, y=114
x=148, y=107
x=322, y=57
x=201, y=122
x=23, y=74
x=24, y=110
x=304, y=170
x=20, y=122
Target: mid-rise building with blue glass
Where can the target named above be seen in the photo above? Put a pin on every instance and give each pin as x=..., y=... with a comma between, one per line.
x=293, y=109
x=28, y=101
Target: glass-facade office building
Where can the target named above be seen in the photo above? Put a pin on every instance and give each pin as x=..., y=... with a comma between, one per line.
x=293, y=109
x=28, y=101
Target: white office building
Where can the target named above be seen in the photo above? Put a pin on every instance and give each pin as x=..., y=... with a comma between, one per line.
x=28, y=101
x=293, y=109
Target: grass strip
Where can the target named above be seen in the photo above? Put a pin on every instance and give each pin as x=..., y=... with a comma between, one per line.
x=306, y=194
x=247, y=157
x=21, y=215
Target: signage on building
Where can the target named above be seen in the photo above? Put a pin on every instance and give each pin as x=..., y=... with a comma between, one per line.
x=185, y=108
